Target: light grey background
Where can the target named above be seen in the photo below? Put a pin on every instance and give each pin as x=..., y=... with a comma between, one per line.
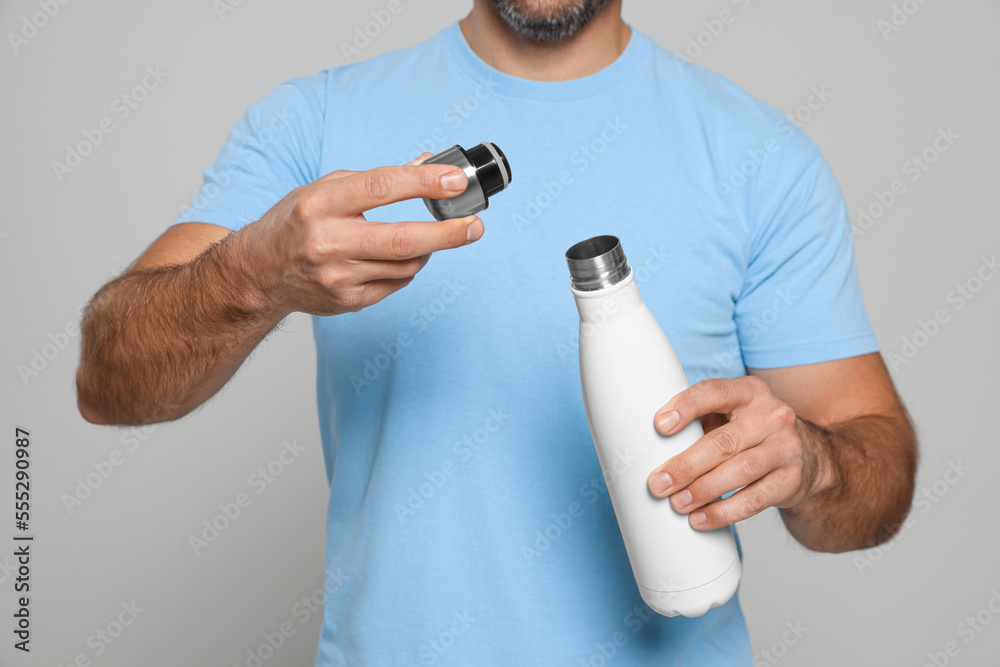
x=59, y=241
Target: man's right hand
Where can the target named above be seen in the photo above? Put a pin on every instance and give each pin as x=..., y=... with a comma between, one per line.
x=162, y=338
x=320, y=255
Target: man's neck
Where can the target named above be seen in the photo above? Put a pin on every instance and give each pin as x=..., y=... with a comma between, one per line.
x=593, y=48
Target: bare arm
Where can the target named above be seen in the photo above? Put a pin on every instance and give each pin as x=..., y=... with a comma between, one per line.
x=165, y=336
x=866, y=451
x=829, y=444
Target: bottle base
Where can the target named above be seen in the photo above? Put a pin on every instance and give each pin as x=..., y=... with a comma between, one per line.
x=695, y=602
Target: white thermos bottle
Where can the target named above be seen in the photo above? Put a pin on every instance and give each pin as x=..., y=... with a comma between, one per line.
x=629, y=370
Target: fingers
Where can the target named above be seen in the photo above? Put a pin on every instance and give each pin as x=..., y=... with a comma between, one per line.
x=340, y=173
x=706, y=454
x=360, y=191
x=409, y=239
x=712, y=421
x=386, y=269
x=756, y=497
x=750, y=441
x=725, y=396
x=369, y=293
x=376, y=290
x=740, y=471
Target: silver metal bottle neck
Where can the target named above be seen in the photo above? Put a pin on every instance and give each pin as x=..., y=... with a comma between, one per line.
x=597, y=263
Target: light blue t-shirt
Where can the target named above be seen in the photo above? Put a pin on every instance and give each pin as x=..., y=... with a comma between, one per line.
x=468, y=522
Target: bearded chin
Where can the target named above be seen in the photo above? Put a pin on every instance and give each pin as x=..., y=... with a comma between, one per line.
x=558, y=24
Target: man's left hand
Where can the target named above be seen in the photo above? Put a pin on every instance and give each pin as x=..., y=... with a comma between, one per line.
x=752, y=440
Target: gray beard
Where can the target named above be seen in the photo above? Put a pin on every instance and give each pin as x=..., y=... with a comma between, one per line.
x=564, y=23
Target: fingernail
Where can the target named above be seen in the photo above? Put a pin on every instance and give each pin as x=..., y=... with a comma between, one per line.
x=660, y=482
x=475, y=230
x=682, y=499
x=698, y=519
x=667, y=420
x=454, y=180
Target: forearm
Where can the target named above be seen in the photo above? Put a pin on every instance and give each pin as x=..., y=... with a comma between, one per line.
x=156, y=344
x=863, y=482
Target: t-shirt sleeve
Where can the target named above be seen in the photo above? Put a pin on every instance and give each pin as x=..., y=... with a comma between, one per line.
x=801, y=301
x=273, y=149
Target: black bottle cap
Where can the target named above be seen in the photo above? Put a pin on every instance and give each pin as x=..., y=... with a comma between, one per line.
x=491, y=167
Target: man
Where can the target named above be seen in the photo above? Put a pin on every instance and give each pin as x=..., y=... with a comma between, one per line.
x=468, y=518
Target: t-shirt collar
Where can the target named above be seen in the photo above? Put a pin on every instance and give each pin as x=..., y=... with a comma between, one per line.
x=504, y=84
